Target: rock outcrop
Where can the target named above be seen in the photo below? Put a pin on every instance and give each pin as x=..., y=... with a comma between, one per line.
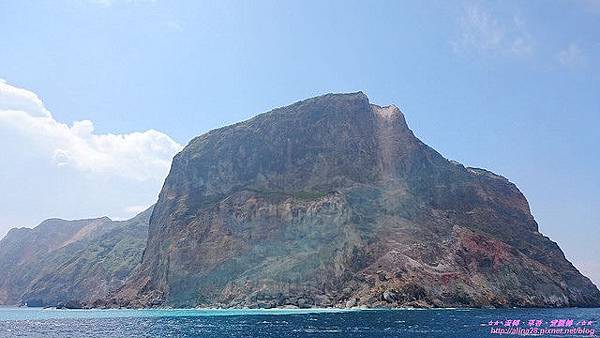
x=70, y=263
x=333, y=201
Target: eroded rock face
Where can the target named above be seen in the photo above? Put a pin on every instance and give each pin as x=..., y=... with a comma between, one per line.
x=333, y=201
x=70, y=263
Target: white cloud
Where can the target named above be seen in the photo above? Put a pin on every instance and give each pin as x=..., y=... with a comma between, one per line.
x=572, y=56
x=52, y=169
x=13, y=98
x=140, y=156
x=481, y=32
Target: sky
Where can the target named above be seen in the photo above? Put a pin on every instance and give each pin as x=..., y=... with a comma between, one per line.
x=97, y=96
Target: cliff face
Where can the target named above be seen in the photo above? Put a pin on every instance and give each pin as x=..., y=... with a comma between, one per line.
x=69, y=262
x=333, y=201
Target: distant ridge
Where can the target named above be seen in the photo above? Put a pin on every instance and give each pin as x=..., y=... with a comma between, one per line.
x=69, y=263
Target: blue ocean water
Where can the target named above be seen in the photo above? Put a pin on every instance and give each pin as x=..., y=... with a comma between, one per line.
x=36, y=322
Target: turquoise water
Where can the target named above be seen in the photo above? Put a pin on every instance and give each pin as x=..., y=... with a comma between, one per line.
x=18, y=313
x=36, y=322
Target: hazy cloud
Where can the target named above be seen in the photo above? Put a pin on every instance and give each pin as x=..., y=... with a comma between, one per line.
x=572, y=56
x=592, y=6
x=482, y=32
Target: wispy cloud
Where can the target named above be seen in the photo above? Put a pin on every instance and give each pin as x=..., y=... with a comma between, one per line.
x=571, y=56
x=482, y=32
x=592, y=6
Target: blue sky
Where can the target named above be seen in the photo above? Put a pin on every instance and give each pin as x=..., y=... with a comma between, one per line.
x=98, y=95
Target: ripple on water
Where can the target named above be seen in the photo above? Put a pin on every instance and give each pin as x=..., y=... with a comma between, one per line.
x=186, y=323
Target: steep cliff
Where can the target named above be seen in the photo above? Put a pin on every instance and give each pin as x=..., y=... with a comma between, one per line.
x=69, y=262
x=332, y=201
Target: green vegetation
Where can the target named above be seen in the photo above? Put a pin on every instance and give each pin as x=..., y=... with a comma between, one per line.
x=300, y=195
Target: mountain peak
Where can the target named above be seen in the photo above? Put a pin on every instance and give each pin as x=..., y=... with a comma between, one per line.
x=331, y=201
x=360, y=95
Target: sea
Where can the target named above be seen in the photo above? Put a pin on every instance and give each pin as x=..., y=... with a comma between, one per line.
x=38, y=322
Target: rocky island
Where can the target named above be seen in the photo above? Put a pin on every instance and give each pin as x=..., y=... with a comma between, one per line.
x=328, y=202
